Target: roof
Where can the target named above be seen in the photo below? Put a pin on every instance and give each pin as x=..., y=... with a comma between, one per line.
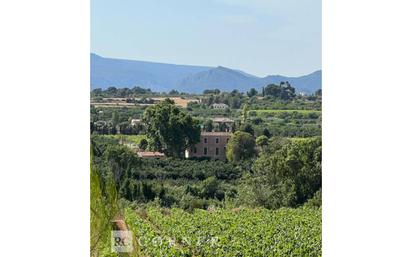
x=221, y=104
x=215, y=133
x=223, y=119
x=150, y=154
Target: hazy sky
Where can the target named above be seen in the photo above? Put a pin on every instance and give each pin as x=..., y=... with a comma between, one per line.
x=260, y=37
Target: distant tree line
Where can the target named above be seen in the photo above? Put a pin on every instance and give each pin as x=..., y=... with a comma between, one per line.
x=120, y=92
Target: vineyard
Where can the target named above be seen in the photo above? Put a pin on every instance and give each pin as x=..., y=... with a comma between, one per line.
x=238, y=232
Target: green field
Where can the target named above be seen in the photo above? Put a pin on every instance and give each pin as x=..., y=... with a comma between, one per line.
x=285, y=111
x=134, y=139
x=237, y=232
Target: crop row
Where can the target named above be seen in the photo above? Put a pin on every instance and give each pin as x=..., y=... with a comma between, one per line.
x=241, y=232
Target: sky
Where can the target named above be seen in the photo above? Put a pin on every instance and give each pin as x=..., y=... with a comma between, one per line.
x=260, y=37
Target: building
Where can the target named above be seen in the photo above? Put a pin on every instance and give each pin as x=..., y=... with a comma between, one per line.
x=212, y=145
x=147, y=154
x=223, y=124
x=135, y=122
x=220, y=106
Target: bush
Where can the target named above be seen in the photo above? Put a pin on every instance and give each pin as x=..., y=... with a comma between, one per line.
x=315, y=201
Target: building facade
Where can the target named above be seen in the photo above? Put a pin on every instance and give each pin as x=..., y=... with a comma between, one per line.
x=223, y=124
x=220, y=106
x=211, y=145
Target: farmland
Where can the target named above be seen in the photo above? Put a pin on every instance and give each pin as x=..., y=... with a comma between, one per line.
x=236, y=232
x=263, y=199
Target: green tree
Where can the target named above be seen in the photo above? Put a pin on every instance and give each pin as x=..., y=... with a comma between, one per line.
x=115, y=118
x=262, y=141
x=267, y=133
x=169, y=129
x=248, y=128
x=120, y=159
x=143, y=144
x=284, y=91
x=210, y=187
x=288, y=172
x=208, y=125
x=241, y=146
x=173, y=92
x=245, y=112
x=252, y=92
x=211, y=92
x=318, y=94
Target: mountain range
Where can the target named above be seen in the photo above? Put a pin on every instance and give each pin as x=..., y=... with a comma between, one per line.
x=162, y=77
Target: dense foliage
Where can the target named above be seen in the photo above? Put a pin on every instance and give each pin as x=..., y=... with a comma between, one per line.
x=241, y=146
x=119, y=92
x=169, y=129
x=265, y=200
x=283, y=91
x=287, y=174
x=240, y=232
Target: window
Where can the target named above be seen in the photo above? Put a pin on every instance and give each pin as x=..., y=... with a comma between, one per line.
x=205, y=140
x=205, y=151
x=217, y=140
x=217, y=151
x=194, y=150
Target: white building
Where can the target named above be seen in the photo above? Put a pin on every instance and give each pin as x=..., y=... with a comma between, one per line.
x=135, y=122
x=220, y=106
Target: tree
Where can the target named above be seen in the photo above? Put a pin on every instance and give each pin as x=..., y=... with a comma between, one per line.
x=112, y=91
x=169, y=129
x=173, y=92
x=262, y=141
x=97, y=92
x=120, y=159
x=248, y=128
x=143, y=144
x=209, y=187
x=252, y=92
x=245, y=111
x=284, y=91
x=115, y=118
x=241, y=146
x=267, y=133
x=125, y=128
x=288, y=172
x=318, y=93
x=208, y=125
x=211, y=92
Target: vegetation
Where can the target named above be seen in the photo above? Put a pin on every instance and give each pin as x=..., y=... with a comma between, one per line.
x=241, y=146
x=286, y=174
x=103, y=208
x=264, y=200
x=169, y=129
x=284, y=91
x=121, y=92
x=238, y=232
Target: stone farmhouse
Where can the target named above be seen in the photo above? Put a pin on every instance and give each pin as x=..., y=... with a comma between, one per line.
x=212, y=145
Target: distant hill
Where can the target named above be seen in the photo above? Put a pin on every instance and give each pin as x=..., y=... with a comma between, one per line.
x=106, y=72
